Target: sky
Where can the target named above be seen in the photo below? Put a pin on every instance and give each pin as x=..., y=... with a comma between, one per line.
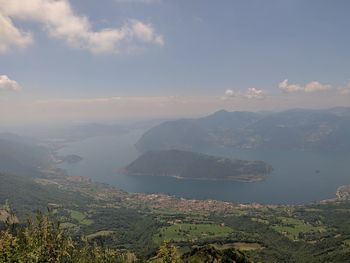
x=69, y=60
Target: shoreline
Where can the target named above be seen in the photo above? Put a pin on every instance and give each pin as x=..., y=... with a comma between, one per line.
x=59, y=172
x=253, y=179
x=55, y=173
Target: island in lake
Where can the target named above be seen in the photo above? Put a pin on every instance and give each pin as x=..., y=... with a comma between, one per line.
x=190, y=165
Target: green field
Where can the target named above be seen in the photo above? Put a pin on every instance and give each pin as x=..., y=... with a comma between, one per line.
x=188, y=232
x=103, y=233
x=68, y=225
x=347, y=242
x=291, y=227
x=243, y=246
x=80, y=217
x=262, y=221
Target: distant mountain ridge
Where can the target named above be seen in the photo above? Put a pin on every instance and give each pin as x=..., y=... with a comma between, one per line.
x=326, y=129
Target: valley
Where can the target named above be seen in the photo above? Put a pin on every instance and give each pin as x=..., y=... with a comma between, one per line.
x=264, y=232
x=140, y=222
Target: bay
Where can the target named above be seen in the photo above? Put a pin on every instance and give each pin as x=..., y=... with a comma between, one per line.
x=298, y=176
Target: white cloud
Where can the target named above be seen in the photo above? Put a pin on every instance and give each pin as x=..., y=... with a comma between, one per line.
x=313, y=86
x=10, y=36
x=345, y=90
x=285, y=86
x=254, y=93
x=251, y=93
x=230, y=93
x=145, y=32
x=8, y=84
x=60, y=21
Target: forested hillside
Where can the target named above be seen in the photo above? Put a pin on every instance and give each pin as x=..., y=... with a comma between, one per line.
x=292, y=129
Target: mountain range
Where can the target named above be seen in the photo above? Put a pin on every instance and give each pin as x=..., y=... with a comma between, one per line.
x=326, y=129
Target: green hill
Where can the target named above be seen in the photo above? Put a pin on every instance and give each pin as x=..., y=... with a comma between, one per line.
x=26, y=195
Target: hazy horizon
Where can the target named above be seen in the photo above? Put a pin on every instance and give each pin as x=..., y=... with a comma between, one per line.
x=68, y=61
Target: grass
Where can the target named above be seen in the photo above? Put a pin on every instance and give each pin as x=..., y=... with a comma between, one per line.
x=243, y=246
x=80, y=217
x=345, y=210
x=103, y=233
x=68, y=225
x=347, y=242
x=186, y=232
x=239, y=212
x=259, y=220
x=312, y=210
x=247, y=246
x=291, y=227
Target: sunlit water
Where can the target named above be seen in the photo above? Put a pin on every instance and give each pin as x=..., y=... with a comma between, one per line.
x=294, y=179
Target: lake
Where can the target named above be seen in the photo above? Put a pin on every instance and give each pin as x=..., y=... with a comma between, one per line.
x=293, y=181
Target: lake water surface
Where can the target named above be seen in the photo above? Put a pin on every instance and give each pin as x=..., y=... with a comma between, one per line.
x=294, y=179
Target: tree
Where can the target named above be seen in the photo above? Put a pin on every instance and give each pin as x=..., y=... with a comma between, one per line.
x=42, y=240
x=168, y=253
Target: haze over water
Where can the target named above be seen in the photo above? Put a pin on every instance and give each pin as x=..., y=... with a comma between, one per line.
x=293, y=181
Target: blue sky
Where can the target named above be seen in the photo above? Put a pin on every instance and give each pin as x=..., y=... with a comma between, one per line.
x=195, y=49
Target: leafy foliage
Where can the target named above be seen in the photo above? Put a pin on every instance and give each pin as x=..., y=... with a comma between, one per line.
x=167, y=254
x=42, y=240
x=210, y=254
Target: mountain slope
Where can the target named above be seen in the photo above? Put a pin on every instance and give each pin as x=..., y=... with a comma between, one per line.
x=26, y=195
x=293, y=129
x=22, y=156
